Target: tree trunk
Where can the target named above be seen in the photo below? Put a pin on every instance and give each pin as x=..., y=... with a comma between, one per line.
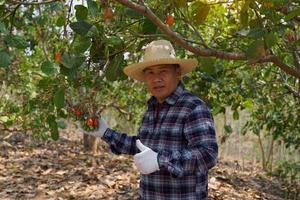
x=262, y=153
x=90, y=144
x=269, y=161
x=240, y=143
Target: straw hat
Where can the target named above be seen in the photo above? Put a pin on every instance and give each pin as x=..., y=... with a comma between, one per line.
x=156, y=53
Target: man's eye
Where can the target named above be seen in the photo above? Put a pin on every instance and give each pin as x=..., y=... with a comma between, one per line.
x=149, y=73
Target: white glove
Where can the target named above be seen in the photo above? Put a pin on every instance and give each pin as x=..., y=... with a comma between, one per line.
x=146, y=160
x=97, y=133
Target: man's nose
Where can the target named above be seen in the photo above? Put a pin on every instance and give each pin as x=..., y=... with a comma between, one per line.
x=157, y=78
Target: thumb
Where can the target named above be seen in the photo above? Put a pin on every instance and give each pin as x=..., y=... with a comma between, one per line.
x=140, y=145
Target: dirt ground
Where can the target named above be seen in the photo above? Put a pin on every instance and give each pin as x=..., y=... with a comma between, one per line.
x=31, y=169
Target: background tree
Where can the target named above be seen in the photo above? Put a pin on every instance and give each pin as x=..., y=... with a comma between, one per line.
x=56, y=56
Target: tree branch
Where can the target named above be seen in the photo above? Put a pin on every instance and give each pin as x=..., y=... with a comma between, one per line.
x=204, y=52
x=276, y=61
x=177, y=38
x=296, y=59
x=292, y=90
x=31, y=3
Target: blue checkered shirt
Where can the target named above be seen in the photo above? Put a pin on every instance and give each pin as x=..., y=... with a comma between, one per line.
x=183, y=135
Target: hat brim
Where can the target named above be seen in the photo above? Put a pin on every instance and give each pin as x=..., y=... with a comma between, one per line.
x=135, y=71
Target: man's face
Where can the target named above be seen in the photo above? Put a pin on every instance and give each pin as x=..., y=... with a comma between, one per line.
x=162, y=80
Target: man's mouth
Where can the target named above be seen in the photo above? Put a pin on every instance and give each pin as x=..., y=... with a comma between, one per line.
x=158, y=87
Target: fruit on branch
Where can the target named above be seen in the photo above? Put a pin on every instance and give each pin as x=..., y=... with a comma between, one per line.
x=77, y=111
x=57, y=57
x=108, y=14
x=170, y=20
x=89, y=122
x=88, y=119
x=96, y=122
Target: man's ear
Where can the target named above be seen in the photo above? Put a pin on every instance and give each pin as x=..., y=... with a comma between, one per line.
x=178, y=73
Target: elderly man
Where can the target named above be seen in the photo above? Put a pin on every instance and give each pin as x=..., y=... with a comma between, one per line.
x=176, y=142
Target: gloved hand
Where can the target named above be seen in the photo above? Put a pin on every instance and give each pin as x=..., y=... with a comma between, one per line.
x=97, y=133
x=146, y=160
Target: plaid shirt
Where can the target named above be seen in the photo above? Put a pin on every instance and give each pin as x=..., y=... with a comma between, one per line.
x=183, y=134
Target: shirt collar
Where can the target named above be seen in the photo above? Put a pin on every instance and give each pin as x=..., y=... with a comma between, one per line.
x=172, y=98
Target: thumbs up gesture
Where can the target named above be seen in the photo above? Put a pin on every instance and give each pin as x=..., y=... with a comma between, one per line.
x=146, y=160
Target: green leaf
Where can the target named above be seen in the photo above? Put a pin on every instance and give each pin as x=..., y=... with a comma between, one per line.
x=93, y=32
x=132, y=13
x=100, y=28
x=270, y=40
x=60, y=21
x=254, y=23
x=244, y=18
x=228, y=129
x=244, y=15
x=97, y=52
x=5, y=59
x=93, y=8
x=255, y=49
x=292, y=14
x=53, y=127
x=256, y=33
x=81, y=44
x=67, y=60
x=114, y=41
x=48, y=67
x=81, y=12
x=114, y=70
x=69, y=72
x=248, y=104
x=72, y=61
x=297, y=42
x=199, y=12
x=148, y=27
x=81, y=27
x=44, y=83
x=42, y=20
x=179, y=3
x=2, y=28
x=59, y=98
x=207, y=65
x=16, y=41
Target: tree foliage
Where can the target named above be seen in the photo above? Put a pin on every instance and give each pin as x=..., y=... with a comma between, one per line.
x=56, y=55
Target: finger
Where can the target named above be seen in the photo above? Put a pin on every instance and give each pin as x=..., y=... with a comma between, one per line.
x=140, y=146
